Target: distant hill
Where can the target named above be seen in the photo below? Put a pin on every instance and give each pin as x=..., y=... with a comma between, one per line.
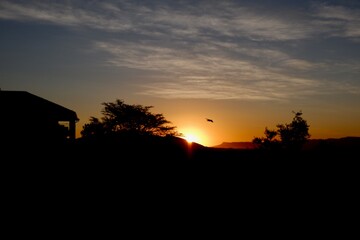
x=132, y=149
x=345, y=142
x=236, y=145
x=331, y=143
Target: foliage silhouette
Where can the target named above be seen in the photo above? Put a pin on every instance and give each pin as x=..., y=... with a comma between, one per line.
x=291, y=136
x=120, y=118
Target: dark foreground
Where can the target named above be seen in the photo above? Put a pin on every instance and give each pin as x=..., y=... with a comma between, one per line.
x=105, y=167
x=169, y=151
x=145, y=176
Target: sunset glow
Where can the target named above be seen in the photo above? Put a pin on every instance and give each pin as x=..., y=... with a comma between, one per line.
x=193, y=135
x=246, y=65
x=191, y=138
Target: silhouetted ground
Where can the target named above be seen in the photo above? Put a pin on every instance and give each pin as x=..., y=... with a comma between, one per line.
x=91, y=181
x=150, y=148
x=138, y=171
x=169, y=150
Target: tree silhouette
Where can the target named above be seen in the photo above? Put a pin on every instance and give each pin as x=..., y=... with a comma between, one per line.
x=269, y=141
x=119, y=117
x=94, y=128
x=295, y=134
x=290, y=136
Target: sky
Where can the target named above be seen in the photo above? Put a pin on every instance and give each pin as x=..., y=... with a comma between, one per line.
x=246, y=64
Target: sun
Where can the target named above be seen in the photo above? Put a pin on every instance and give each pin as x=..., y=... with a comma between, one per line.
x=192, y=135
x=190, y=138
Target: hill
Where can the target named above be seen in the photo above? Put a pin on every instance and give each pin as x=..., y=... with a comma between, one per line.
x=338, y=143
x=236, y=145
x=345, y=143
x=123, y=161
x=150, y=149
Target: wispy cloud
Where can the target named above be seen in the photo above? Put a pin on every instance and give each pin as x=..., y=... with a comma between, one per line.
x=217, y=49
x=221, y=19
x=215, y=74
x=338, y=20
x=63, y=14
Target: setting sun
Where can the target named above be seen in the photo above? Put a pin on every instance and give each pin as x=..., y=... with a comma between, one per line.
x=193, y=135
x=191, y=138
x=217, y=74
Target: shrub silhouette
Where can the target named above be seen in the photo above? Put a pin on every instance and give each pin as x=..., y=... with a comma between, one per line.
x=290, y=136
x=269, y=141
x=119, y=117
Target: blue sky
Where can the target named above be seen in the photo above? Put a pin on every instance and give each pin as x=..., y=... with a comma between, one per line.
x=81, y=53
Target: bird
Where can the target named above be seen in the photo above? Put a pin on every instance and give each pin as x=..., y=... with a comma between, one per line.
x=209, y=120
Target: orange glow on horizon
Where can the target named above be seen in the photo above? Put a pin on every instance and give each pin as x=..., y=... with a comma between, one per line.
x=193, y=136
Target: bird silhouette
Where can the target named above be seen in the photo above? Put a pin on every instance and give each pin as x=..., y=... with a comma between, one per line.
x=209, y=120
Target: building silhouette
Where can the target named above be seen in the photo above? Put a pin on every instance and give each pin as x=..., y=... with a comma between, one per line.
x=27, y=118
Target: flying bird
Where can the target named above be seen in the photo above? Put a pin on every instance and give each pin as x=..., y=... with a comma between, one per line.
x=209, y=120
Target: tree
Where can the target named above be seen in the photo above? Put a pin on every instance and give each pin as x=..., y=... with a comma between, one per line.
x=295, y=134
x=269, y=141
x=94, y=128
x=119, y=117
x=290, y=136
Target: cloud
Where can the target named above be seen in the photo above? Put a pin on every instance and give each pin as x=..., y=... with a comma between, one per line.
x=215, y=74
x=205, y=19
x=182, y=20
x=62, y=14
x=339, y=21
x=217, y=49
x=199, y=19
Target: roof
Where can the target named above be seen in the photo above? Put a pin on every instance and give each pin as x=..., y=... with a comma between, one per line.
x=24, y=103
